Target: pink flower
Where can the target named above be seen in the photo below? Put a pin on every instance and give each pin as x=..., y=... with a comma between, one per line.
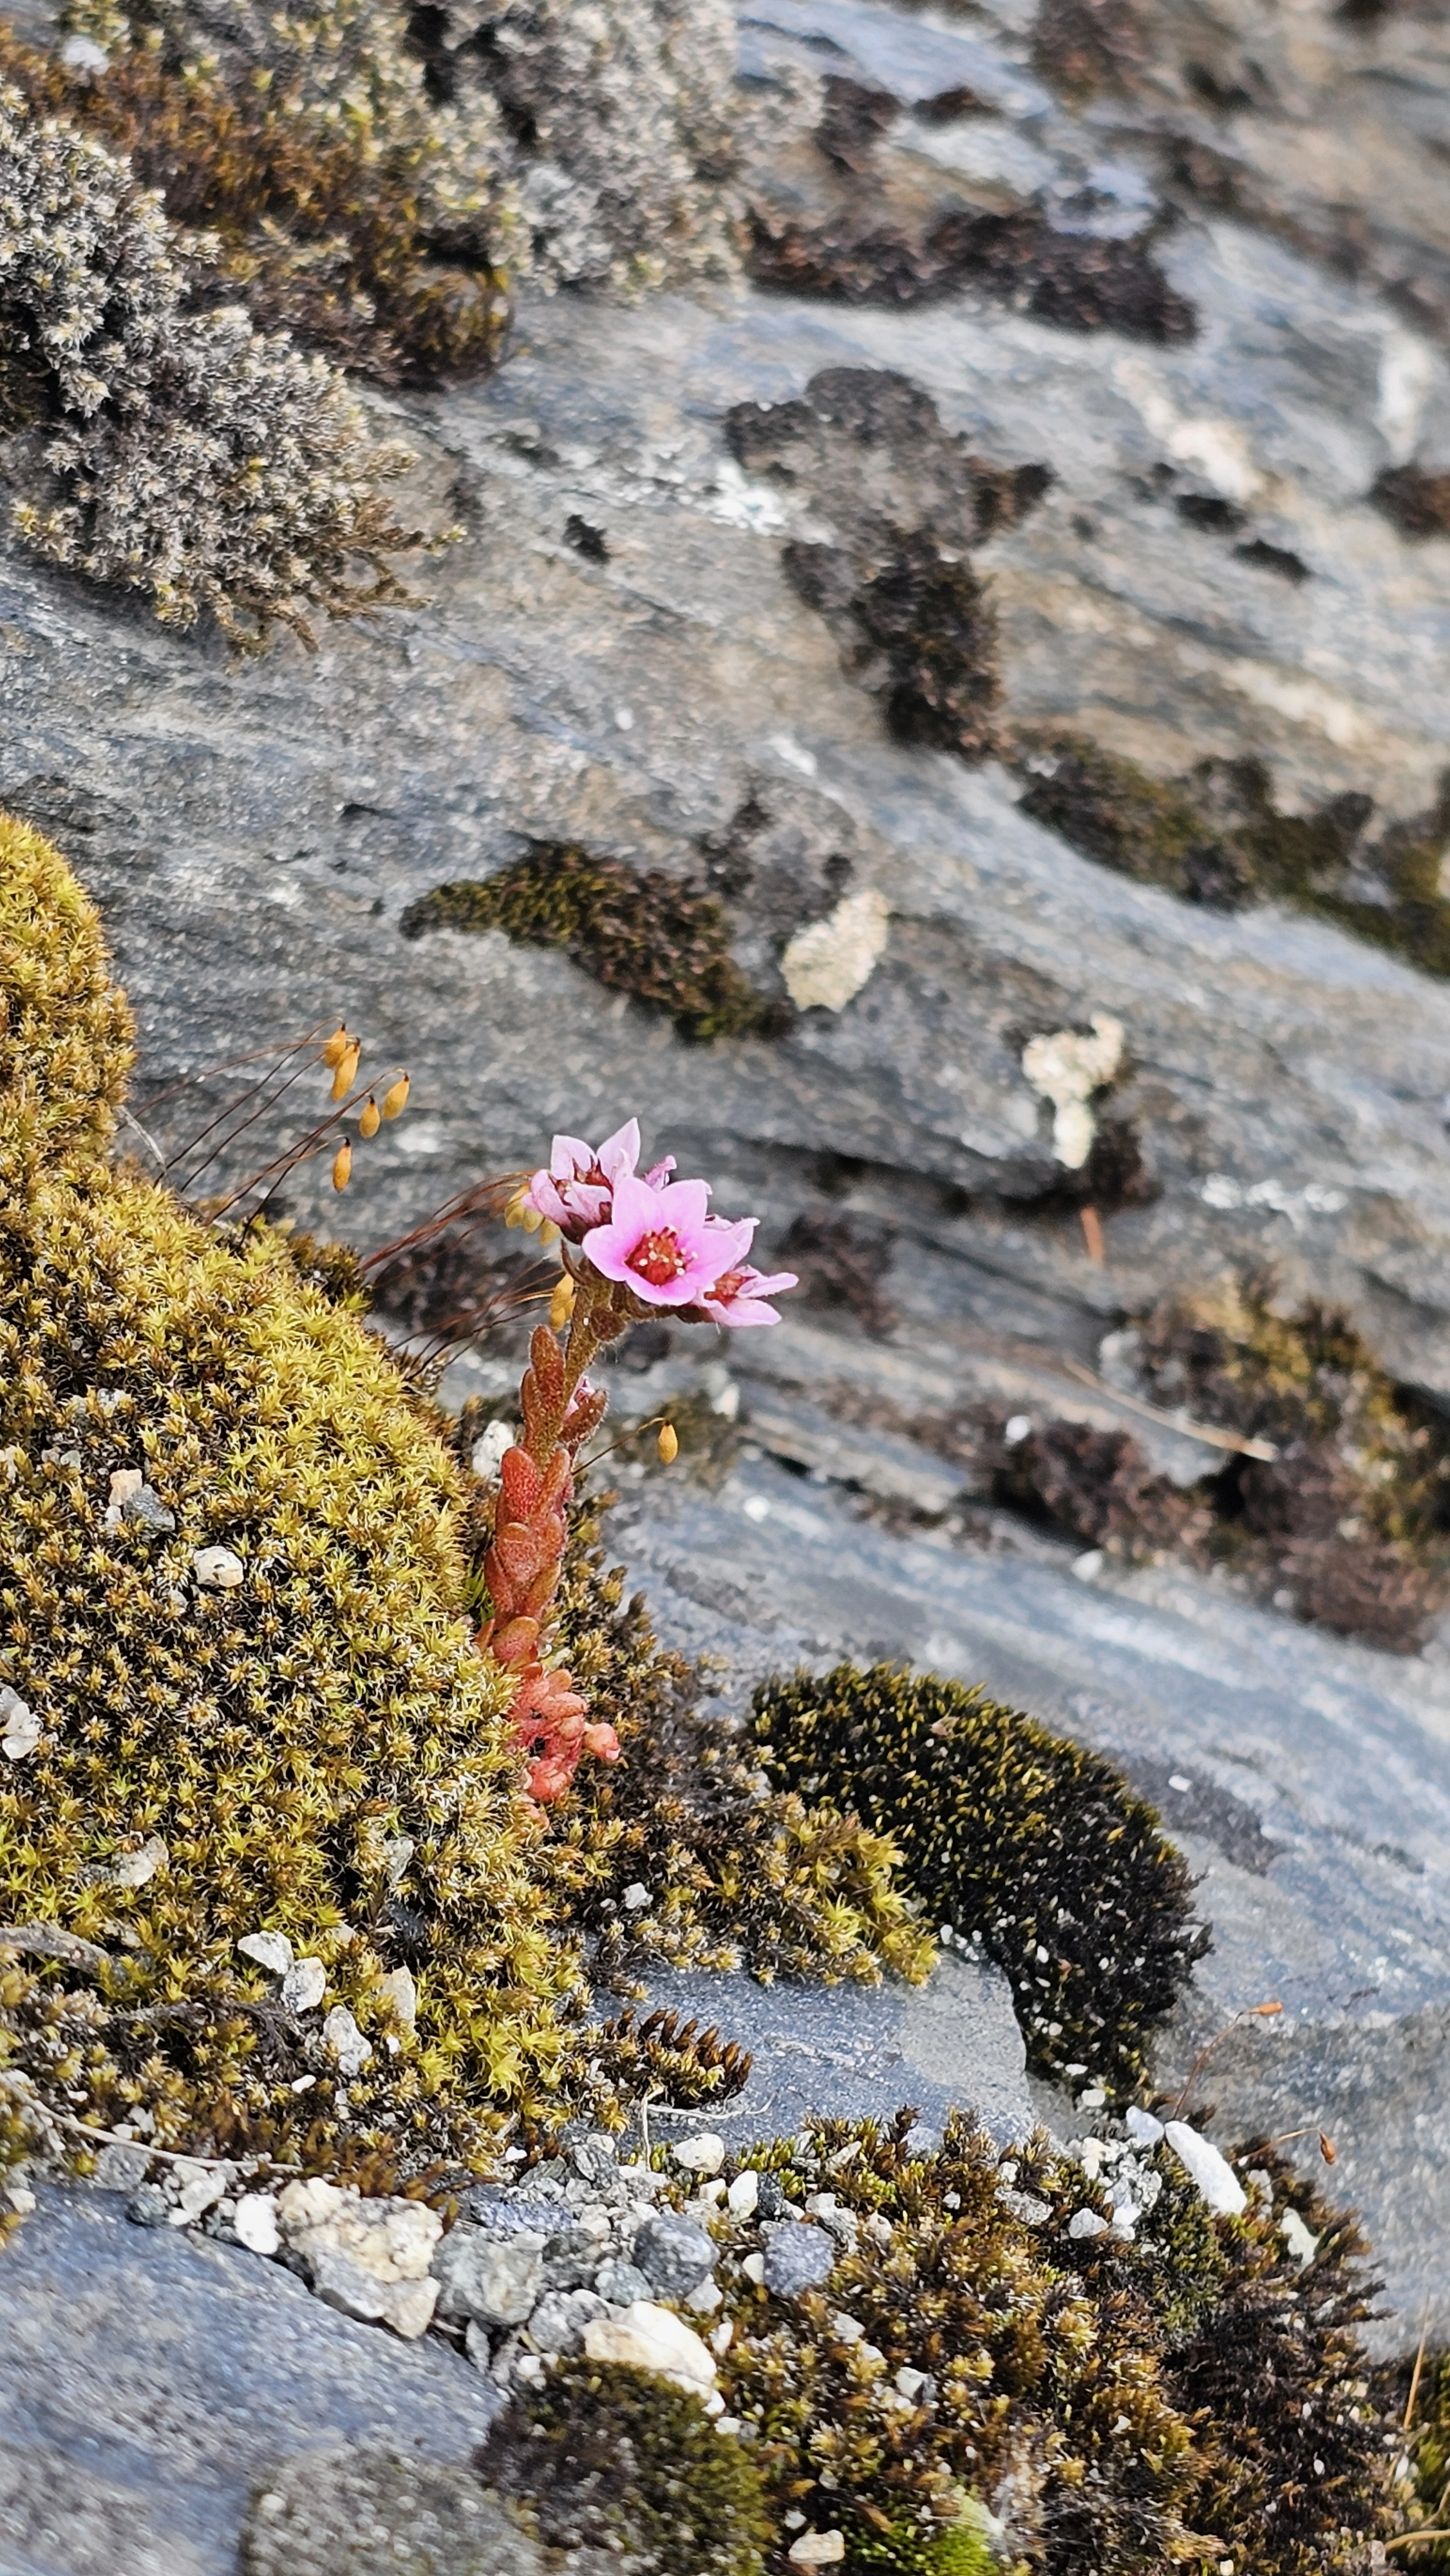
x=660, y=1242
x=738, y=1297
x=576, y=1191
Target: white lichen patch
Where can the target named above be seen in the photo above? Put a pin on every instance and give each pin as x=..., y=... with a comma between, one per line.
x=1067, y=1067
x=826, y=964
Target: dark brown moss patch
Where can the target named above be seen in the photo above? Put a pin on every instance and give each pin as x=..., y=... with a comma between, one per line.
x=840, y=1260
x=1012, y=1835
x=1217, y=837
x=1417, y=502
x=1065, y=278
x=1085, y=46
x=856, y=116
x=1427, y=2444
x=664, y=940
x=1348, y=1526
x=921, y=634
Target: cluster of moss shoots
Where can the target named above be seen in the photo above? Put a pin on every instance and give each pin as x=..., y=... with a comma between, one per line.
x=321, y=1750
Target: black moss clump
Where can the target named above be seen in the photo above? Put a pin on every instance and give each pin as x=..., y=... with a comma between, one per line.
x=1015, y=1837
x=1425, y=2415
x=1279, y=560
x=1294, y=2454
x=840, y=1260
x=664, y=940
x=613, y=2458
x=856, y=116
x=1097, y=1487
x=925, y=638
x=1143, y=827
x=1064, y=278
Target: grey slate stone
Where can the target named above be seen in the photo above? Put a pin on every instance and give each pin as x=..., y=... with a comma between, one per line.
x=673, y=2253
x=495, y=2281
x=148, y=2381
x=798, y=2256
x=366, y=2513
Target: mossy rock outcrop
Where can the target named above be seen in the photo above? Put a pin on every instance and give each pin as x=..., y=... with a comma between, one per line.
x=316, y=1748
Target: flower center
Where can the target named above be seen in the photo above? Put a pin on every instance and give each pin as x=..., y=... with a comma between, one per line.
x=658, y=1258
x=728, y=1287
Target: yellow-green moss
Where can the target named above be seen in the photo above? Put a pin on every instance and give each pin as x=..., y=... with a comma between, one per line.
x=1012, y=1835
x=782, y=1884
x=320, y=1751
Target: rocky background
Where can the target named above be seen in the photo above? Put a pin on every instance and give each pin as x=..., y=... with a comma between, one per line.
x=1167, y=294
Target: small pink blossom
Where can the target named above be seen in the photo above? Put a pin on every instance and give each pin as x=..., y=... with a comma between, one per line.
x=576, y=1192
x=738, y=1296
x=660, y=1243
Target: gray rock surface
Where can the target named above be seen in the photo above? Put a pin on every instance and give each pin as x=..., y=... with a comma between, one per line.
x=361, y=2513
x=798, y=2256
x=1307, y=1781
x=148, y=2384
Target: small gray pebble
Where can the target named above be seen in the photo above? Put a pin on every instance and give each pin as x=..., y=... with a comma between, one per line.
x=559, y=2320
x=148, y=2207
x=798, y=2256
x=622, y=2283
x=673, y=2253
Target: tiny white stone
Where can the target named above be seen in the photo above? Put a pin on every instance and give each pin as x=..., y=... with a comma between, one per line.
x=402, y=1993
x=80, y=54
x=1215, y=2177
x=304, y=1985
x=702, y=2154
x=624, y=718
x=722, y=2338
x=255, y=2219
x=1142, y=2126
x=753, y=2268
x=636, y=1896
x=649, y=2337
x=1089, y=1565
x=344, y=2041
x=826, y=964
x=217, y=1569
x=847, y=2329
x=134, y=1869
x=20, y=1728
x=1092, y=2099
x=1302, y=2244
x=1018, y=1429
x=271, y=1950
x=1086, y=2223
x=909, y=2383
x=743, y=2195
x=818, y=2549
x=488, y=1451
x=1179, y=1780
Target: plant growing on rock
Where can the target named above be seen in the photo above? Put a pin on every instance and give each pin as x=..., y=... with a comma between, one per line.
x=173, y=452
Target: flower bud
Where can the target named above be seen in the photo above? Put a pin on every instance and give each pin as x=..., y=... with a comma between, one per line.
x=336, y=1047
x=669, y=1444
x=371, y=1119
x=530, y=1217
x=561, y=1304
x=342, y=1166
x=395, y=1099
x=346, y=1074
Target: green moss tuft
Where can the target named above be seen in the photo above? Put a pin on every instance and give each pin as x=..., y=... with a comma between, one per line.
x=1012, y=1835
x=791, y=1887
x=616, y=2459
x=663, y=940
x=975, y=2385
